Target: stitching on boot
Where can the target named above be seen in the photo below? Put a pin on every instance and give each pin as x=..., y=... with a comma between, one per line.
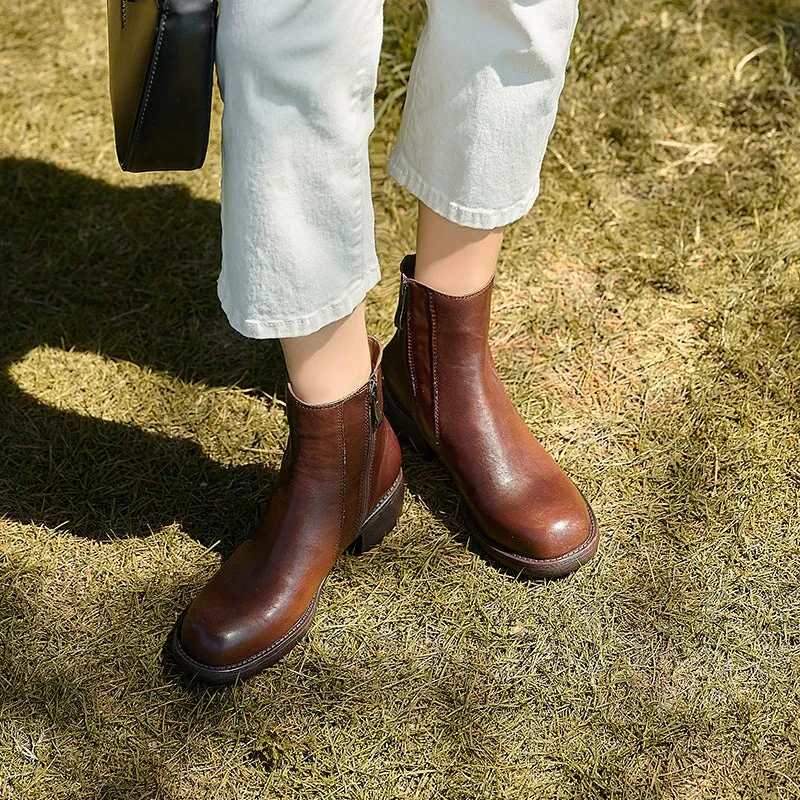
x=412, y=372
x=385, y=499
x=435, y=380
x=342, y=475
x=371, y=469
x=364, y=484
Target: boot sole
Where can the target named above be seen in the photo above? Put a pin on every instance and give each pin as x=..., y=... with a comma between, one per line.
x=406, y=429
x=378, y=524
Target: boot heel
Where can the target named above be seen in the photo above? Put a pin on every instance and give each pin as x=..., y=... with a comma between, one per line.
x=382, y=519
x=404, y=426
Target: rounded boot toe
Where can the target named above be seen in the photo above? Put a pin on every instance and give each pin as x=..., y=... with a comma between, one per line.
x=558, y=536
x=546, y=542
x=211, y=640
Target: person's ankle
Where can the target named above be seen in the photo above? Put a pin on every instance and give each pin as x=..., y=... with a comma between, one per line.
x=331, y=363
x=454, y=259
x=452, y=284
x=315, y=390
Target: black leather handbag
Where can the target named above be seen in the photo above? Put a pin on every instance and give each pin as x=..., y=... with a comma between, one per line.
x=161, y=72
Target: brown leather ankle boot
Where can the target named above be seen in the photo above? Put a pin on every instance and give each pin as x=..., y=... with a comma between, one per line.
x=340, y=487
x=444, y=395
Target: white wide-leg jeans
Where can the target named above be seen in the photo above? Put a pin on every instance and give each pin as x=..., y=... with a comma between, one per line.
x=297, y=78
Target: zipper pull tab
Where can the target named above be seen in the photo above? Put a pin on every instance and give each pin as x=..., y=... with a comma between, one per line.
x=400, y=314
x=377, y=413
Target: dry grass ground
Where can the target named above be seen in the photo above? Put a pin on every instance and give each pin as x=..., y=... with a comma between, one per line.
x=648, y=325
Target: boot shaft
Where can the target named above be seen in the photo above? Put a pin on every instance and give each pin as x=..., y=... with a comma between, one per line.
x=430, y=323
x=445, y=395
x=340, y=486
x=341, y=452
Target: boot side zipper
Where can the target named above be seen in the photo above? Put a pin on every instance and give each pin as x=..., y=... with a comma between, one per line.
x=375, y=417
x=400, y=314
x=375, y=408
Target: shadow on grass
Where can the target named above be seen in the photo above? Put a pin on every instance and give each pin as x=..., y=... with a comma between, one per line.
x=129, y=274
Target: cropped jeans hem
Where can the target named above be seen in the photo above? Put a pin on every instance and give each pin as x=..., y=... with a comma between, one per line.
x=298, y=78
x=399, y=167
x=270, y=328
